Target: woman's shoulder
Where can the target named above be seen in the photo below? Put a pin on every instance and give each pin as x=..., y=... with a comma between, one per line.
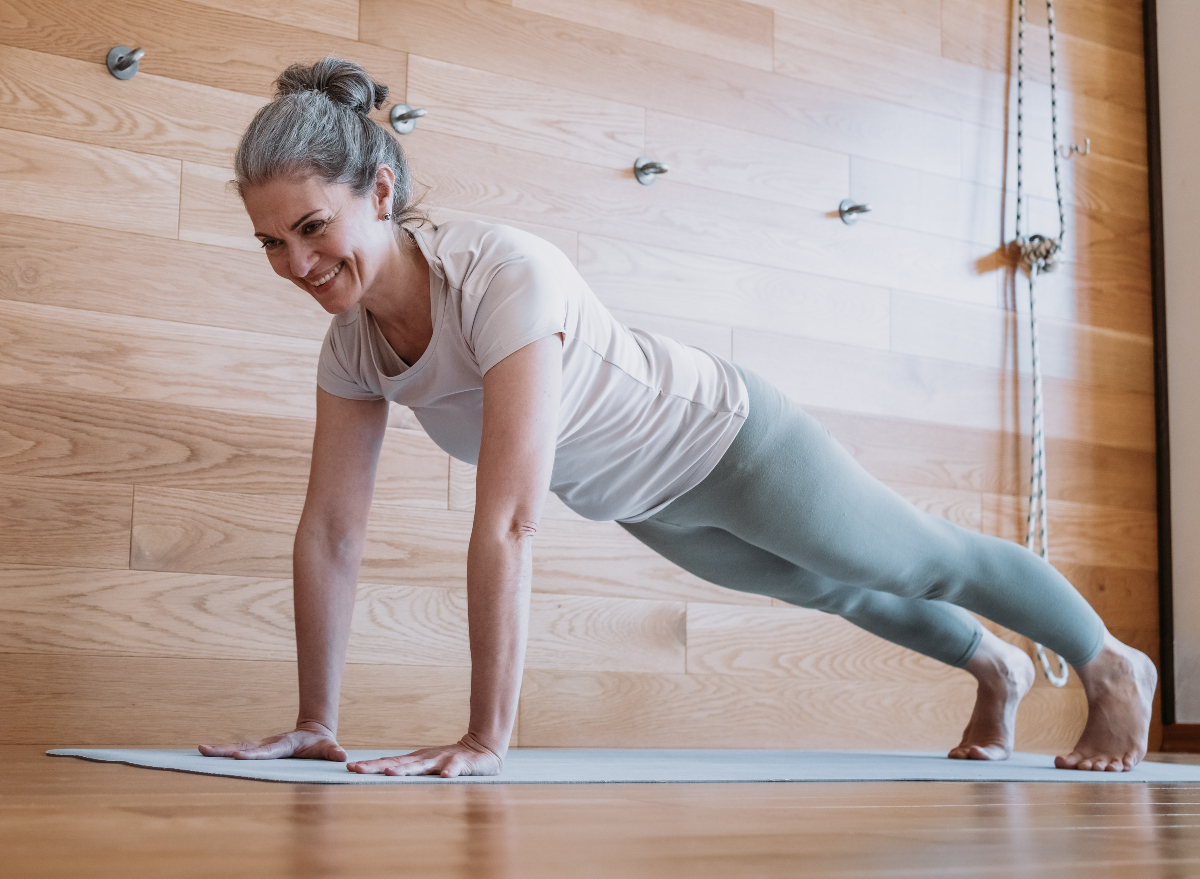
x=465, y=247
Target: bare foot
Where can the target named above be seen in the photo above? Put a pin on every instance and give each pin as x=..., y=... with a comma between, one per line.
x=1120, y=686
x=1005, y=675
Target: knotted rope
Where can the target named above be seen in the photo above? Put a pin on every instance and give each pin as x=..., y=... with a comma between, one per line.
x=1038, y=254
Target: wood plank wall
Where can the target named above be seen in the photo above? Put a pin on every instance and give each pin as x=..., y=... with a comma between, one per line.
x=156, y=380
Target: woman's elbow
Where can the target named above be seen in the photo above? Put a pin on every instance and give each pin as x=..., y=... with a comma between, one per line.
x=514, y=531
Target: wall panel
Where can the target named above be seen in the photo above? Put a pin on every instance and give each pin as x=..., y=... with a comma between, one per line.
x=156, y=378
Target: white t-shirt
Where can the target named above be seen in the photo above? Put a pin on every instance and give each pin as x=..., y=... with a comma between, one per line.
x=643, y=418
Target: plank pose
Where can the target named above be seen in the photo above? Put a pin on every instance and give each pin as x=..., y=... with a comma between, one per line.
x=509, y=361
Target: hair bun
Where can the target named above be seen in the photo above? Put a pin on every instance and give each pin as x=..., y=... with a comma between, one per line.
x=343, y=82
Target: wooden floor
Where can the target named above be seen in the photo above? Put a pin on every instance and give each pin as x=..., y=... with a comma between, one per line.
x=68, y=818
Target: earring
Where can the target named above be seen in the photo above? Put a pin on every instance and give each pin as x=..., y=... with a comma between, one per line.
x=387, y=216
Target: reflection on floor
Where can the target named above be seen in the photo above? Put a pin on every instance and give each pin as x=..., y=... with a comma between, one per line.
x=70, y=818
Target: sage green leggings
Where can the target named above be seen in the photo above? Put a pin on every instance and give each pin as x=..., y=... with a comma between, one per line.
x=790, y=514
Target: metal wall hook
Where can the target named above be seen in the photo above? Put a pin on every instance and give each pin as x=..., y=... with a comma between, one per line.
x=1075, y=149
x=849, y=210
x=646, y=170
x=404, y=118
x=123, y=62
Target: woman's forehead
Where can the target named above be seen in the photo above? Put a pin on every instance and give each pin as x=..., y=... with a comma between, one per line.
x=277, y=199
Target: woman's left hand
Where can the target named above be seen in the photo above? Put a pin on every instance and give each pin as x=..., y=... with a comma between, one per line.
x=467, y=757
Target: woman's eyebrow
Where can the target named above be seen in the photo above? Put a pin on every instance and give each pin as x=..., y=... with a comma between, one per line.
x=292, y=228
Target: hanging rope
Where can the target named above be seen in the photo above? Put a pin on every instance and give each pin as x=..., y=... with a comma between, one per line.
x=1038, y=254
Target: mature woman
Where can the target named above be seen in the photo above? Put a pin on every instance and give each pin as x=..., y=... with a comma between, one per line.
x=508, y=360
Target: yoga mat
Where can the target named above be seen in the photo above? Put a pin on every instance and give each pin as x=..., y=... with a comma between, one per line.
x=598, y=766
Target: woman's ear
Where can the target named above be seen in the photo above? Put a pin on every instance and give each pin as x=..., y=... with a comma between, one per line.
x=385, y=185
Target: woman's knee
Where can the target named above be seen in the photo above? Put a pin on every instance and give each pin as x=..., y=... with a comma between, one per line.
x=950, y=557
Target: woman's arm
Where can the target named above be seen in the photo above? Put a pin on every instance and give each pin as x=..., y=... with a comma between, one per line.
x=520, y=429
x=325, y=560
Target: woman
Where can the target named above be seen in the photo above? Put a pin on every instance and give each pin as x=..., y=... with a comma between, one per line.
x=508, y=360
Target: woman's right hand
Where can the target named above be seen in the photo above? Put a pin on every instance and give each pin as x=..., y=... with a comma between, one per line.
x=309, y=741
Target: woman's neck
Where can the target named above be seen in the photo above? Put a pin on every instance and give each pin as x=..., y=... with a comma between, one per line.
x=400, y=301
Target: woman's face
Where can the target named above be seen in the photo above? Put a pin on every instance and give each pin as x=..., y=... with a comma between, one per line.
x=322, y=237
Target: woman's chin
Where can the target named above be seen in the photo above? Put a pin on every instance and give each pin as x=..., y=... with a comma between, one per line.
x=334, y=306
x=333, y=301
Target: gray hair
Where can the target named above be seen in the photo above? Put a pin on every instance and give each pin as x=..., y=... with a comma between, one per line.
x=318, y=124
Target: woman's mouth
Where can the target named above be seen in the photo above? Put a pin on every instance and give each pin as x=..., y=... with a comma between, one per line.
x=327, y=277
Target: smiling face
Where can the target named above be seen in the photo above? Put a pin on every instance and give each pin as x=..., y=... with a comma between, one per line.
x=322, y=237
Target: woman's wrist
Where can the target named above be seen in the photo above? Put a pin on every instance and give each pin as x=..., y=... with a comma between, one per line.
x=497, y=746
x=318, y=727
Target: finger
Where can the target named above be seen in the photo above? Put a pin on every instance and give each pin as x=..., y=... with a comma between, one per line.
x=268, y=750
x=454, y=767
x=373, y=767
x=382, y=763
x=334, y=751
x=225, y=750
x=414, y=764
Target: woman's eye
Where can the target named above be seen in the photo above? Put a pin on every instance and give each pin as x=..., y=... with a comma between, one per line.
x=269, y=244
x=310, y=228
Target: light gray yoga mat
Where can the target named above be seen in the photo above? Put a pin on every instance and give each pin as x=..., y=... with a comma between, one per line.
x=595, y=766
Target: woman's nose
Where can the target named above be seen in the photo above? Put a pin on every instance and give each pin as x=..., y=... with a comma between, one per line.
x=302, y=260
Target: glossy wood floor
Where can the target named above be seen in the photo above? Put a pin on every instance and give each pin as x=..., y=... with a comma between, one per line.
x=67, y=818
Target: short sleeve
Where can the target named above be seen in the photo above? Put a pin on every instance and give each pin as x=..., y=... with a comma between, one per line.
x=525, y=300
x=336, y=368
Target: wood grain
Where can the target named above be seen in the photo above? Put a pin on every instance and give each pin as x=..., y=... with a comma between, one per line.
x=981, y=214
x=408, y=625
x=84, y=611
x=64, y=522
x=672, y=215
x=586, y=632
x=188, y=41
x=74, y=100
x=242, y=535
x=512, y=112
x=716, y=157
x=94, y=700
x=908, y=451
x=993, y=338
x=799, y=643
x=912, y=23
x=597, y=62
x=1081, y=533
x=1124, y=597
x=105, y=187
x=210, y=212
x=731, y=30
x=338, y=18
x=972, y=36
x=963, y=508
x=1099, y=184
x=65, y=350
x=101, y=439
x=903, y=386
x=879, y=67
x=638, y=277
x=715, y=711
x=50, y=262
x=73, y=817
x=55, y=610
x=1116, y=23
